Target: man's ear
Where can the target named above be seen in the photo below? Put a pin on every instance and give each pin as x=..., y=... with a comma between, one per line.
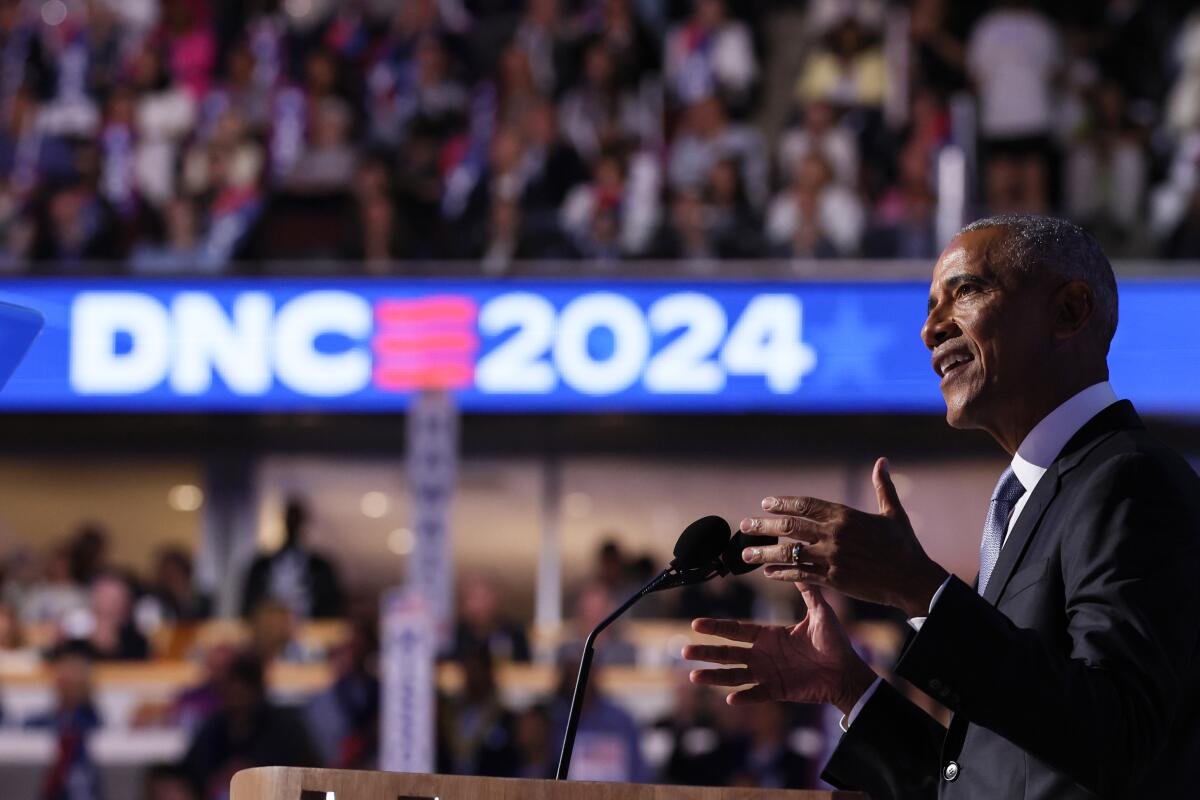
x=1073, y=305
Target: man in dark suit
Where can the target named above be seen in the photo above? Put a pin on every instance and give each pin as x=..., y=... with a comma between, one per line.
x=1072, y=666
x=300, y=578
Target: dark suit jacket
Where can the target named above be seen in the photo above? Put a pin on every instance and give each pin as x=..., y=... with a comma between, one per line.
x=1076, y=674
x=324, y=586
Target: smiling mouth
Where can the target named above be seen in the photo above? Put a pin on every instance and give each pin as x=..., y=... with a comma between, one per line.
x=954, y=365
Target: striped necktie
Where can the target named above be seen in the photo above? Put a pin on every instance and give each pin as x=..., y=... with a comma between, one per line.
x=1008, y=491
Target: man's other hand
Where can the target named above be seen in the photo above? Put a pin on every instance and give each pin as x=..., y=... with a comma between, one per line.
x=812, y=662
x=874, y=557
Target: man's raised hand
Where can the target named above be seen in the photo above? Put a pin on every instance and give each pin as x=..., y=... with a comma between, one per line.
x=874, y=557
x=811, y=662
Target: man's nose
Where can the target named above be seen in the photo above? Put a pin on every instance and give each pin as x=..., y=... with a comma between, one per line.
x=938, y=328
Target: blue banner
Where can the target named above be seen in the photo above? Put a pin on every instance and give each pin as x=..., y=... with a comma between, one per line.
x=528, y=346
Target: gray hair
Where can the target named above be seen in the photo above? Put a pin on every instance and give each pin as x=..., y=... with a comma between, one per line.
x=1049, y=245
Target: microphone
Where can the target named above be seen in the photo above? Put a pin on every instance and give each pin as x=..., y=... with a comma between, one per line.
x=699, y=555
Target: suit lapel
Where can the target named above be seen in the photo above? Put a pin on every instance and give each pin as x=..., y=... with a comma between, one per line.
x=1118, y=416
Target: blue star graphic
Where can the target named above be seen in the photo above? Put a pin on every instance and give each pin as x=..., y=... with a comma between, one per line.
x=848, y=347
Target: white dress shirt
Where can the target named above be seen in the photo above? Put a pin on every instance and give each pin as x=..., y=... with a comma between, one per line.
x=1034, y=456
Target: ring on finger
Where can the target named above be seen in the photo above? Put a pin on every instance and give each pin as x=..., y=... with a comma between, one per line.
x=797, y=552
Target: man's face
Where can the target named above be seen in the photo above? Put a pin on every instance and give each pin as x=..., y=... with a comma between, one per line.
x=989, y=330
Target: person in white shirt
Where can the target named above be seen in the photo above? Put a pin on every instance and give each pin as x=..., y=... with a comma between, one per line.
x=1013, y=58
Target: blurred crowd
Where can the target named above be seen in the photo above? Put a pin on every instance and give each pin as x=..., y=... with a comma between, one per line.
x=167, y=136
x=70, y=609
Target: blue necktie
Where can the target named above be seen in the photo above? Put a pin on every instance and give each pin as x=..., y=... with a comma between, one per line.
x=1008, y=491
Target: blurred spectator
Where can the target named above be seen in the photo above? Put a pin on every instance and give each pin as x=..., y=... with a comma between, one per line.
x=57, y=594
x=300, y=578
x=165, y=113
x=74, y=227
x=820, y=133
x=608, y=744
x=612, y=567
x=543, y=40
x=12, y=634
x=705, y=137
x=1183, y=102
x=847, y=70
x=600, y=113
x=273, y=634
x=344, y=719
x=1106, y=170
x=1014, y=56
x=172, y=596
x=815, y=217
x=167, y=782
x=247, y=731
x=595, y=603
x=72, y=775
x=482, y=624
x=711, y=56
x=475, y=729
x=176, y=249
x=186, y=36
x=113, y=635
x=764, y=756
x=700, y=751
x=195, y=705
x=328, y=161
x=535, y=753
x=89, y=553
x=614, y=214
x=904, y=224
x=552, y=168
x=724, y=599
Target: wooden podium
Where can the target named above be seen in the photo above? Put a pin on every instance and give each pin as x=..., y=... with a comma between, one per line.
x=290, y=783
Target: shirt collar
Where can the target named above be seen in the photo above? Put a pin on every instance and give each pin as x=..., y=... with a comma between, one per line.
x=1047, y=439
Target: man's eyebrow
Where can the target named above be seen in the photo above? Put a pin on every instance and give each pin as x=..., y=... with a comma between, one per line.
x=953, y=282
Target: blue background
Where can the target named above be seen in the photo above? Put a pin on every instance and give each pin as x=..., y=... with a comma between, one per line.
x=869, y=354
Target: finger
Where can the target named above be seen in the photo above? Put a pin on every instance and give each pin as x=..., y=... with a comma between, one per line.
x=885, y=490
x=772, y=553
x=721, y=677
x=755, y=694
x=792, y=527
x=715, y=654
x=811, y=507
x=791, y=573
x=732, y=629
x=813, y=598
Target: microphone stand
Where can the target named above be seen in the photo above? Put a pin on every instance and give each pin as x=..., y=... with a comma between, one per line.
x=667, y=579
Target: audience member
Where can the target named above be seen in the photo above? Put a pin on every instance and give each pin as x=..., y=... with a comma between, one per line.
x=1014, y=55
x=247, y=730
x=596, y=602
x=72, y=774
x=483, y=625
x=172, y=595
x=300, y=578
x=475, y=730
x=711, y=56
x=56, y=595
x=344, y=719
x=273, y=634
x=167, y=782
x=847, y=70
x=607, y=744
x=111, y=632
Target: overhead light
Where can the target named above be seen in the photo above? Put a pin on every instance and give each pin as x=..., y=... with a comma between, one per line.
x=185, y=497
x=373, y=504
x=54, y=12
